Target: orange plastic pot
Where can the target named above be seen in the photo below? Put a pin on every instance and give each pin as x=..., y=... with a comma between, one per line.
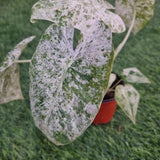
x=106, y=112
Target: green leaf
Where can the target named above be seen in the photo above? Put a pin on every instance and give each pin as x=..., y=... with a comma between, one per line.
x=67, y=86
x=79, y=13
x=9, y=74
x=144, y=12
x=127, y=98
x=133, y=75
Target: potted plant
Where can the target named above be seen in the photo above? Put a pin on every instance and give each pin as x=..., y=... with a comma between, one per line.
x=135, y=17
x=109, y=103
x=69, y=81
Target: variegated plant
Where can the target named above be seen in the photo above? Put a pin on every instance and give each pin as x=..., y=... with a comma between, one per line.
x=68, y=80
x=126, y=95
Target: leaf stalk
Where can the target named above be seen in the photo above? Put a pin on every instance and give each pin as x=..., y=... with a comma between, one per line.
x=121, y=45
x=23, y=61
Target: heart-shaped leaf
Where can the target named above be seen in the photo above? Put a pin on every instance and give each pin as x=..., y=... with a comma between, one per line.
x=127, y=98
x=9, y=74
x=67, y=86
x=133, y=75
x=79, y=13
x=144, y=12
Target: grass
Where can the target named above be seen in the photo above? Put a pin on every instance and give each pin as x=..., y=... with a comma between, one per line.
x=20, y=139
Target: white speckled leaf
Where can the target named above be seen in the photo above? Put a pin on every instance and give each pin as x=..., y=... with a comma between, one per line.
x=127, y=98
x=79, y=13
x=14, y=55
x=9, y=74
x=144, y=12
x=67, y=86
x=133, y=75
x=101, y=4
x=9, y=85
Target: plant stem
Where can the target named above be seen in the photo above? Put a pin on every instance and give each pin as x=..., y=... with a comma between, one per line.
x=111, y=89
x=116, y=84
x=23, y=61
x=121, y=45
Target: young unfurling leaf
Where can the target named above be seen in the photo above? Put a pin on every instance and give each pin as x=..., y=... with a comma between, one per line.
x=112, y=78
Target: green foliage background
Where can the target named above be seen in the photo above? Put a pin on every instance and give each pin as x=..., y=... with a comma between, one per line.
x=20, y=139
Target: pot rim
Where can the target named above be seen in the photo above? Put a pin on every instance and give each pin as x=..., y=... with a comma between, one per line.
x=108, y=100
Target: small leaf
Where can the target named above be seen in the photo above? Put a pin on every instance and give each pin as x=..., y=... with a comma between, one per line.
x=144, y=12
x=68, y=85
x=9, y=74
x=127, y=98
x=15, y=54
x=112, y=78
x=133, y=75
x=9, y=85
x=79, y=13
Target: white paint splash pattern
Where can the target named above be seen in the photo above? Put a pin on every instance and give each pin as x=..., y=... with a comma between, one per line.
x=9, y=74
x=144, y=12
x=78, y=13
x=128, y=98
x=63, y=88
x=133, y=75
x=14, y=55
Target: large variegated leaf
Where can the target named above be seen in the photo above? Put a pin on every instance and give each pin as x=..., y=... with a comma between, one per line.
x=133, y=75
x=67, y=86
x=144, y=12
x=79, y=13
x=101, y=4
x=9, y=74
x=127, y=98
